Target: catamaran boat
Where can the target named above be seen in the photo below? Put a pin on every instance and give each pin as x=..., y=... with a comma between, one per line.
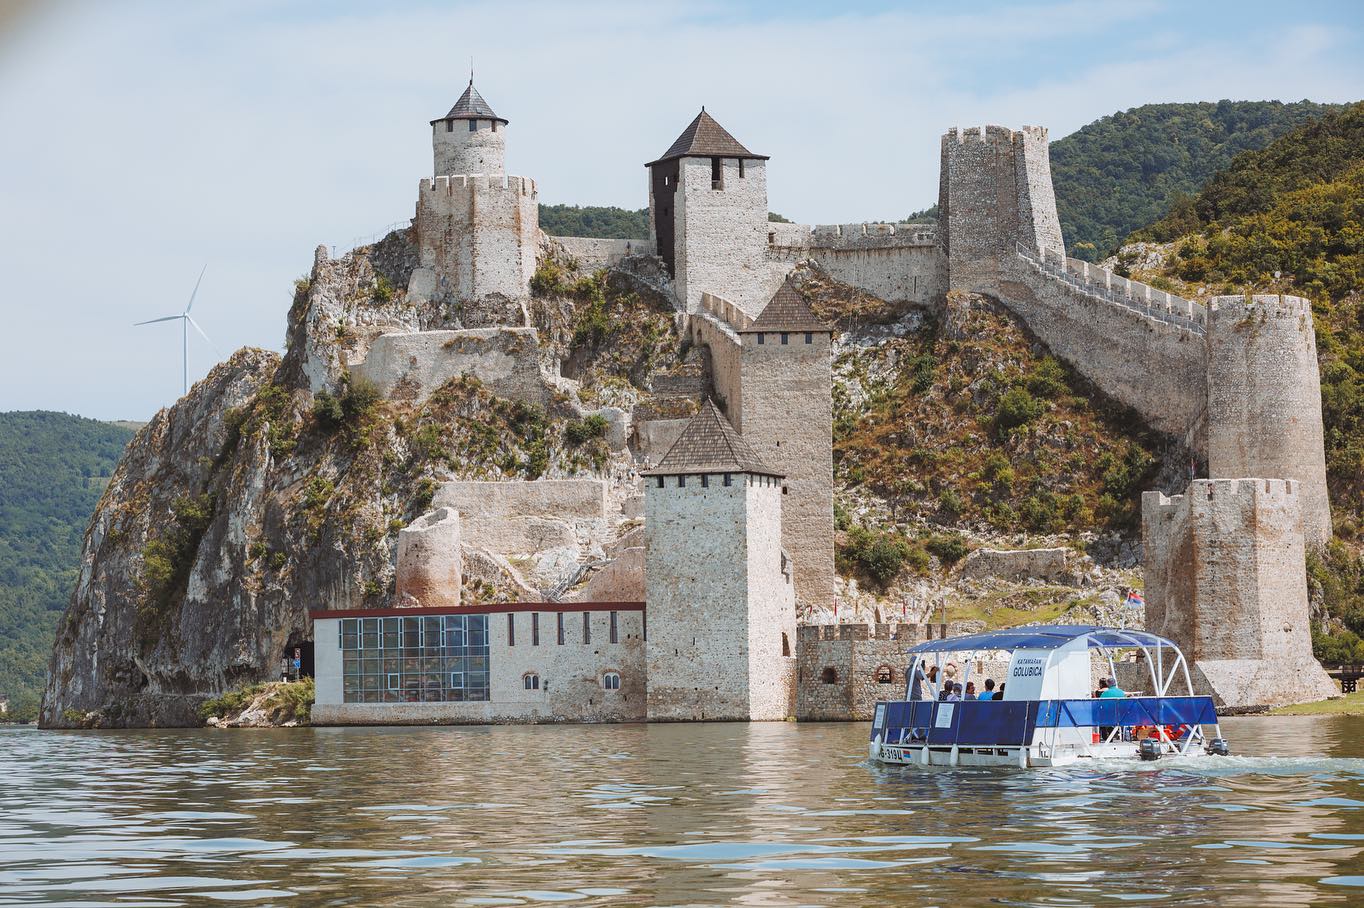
x=1048, y=714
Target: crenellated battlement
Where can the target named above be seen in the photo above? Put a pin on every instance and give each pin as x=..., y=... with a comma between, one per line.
x=979, y=135
x=1266, y=305
x=729, y=314
x=460, y=184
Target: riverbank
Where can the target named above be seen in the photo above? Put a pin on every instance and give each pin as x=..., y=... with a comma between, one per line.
x=274, y=704
x=1347, y=705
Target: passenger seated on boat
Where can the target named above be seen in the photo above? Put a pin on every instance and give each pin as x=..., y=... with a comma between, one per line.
x=952, y=691
x=970, y=693
x=1112, y=689
x=999, y=694
x=989, y=692
x=1103, y=686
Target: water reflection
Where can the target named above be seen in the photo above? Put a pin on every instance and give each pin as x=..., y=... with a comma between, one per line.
x=770, y=814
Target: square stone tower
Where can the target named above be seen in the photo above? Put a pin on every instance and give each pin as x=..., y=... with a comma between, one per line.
x=1226, y=580
x=721, y=608
x=477, y=228
x=708, y=216
x=994, y=191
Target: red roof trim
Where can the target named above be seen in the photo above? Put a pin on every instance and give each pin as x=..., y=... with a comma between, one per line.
x=495, y=609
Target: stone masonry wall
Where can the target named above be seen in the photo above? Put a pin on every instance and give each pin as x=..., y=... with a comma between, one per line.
x=478, y=235
x=771, y=619
x=457, y=150
x=721, y=236
x=1039, y=227
x=429, y=560
x=840, y=666
x=701, y=603
x=1264, y=399
x=593, y=253
x=411, y=365
x=893, y=261
x=1226, y=580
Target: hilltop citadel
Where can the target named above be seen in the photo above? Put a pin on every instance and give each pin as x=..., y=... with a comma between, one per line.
x=694, y=614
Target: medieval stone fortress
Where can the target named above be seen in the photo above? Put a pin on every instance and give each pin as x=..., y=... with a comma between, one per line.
x=712, y=527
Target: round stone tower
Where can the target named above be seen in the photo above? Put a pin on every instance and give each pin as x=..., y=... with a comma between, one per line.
x=1264, y=399
x=470, y=138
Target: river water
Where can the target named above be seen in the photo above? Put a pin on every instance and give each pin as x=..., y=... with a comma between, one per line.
x=763, y=814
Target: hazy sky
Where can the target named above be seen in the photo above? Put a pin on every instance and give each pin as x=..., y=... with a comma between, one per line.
x=141, y=140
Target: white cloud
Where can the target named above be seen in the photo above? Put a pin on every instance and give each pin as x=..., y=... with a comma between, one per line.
x=159, y=135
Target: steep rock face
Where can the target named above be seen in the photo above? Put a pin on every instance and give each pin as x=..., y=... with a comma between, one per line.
x=110, y=654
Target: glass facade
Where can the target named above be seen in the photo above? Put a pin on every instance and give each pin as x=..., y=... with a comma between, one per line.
x=414, y=659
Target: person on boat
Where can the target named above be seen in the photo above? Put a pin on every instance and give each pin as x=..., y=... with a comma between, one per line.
x=953, y=692
x=999, y=694
x=1103, y=686
x=916, y=690
x=1111, y=689
x=970, y=693
x=989, y=692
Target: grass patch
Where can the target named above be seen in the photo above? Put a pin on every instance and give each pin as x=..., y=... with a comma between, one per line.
x=1346, y=705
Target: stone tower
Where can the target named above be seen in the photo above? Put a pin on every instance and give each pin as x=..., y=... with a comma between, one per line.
x=1264, y=399
x=722, y=617
x=784, y=409
x=994, y=191
x=1226, y=580
x=477, y=228
x=708, y=216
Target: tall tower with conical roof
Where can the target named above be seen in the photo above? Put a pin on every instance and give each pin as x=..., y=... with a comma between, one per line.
x=722, y=610
x=477, y=227
x=470, y=138
x=708, y=215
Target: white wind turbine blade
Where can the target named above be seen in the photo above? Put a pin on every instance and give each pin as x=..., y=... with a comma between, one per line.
x=189, y=318
x=153, y=321
x=190, y=305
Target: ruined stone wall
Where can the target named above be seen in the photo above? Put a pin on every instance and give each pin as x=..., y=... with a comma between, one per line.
x=721, y=235
x=478, y=235
x=702, y=605
x=457, y=150
x=570, y=674
x=1264, y=399
x=520, y=518
x=592, y=253
x=429, y=560
x=1226, y=580
x=411, y=365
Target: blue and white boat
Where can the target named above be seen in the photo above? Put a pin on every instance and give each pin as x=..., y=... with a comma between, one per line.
x=1048, y=714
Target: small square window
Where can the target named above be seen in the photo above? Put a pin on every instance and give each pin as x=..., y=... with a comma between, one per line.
x=729, y=479
x=809, y=337
x=659, y=479
x=473, y=125
x=449, y=125
x=681, y=482
x=762, y=338
x=705, y=481
x=785, y=338
x=741, y=168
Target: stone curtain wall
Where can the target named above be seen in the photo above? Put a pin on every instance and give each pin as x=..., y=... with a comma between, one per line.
x=570, y=676
x=592, y=253
x=1264, y=399
x=479, y=234
x=1226, y=580
x=896, y=262
x=721, y=235
x=459, y=151
x=411, y=365
x=771, y=619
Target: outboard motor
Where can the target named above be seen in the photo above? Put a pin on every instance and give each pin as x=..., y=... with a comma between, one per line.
x=1218, y=747
x=1149, y=749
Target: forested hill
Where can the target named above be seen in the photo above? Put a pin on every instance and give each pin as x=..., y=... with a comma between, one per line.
x=595, y=221
x=1290, y=218
x=1124, y=171
x=53, y=467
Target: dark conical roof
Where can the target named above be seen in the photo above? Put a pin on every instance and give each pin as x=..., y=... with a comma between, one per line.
x=787, y=311
x=471, y=106
x=705, y=138
x=709, y=444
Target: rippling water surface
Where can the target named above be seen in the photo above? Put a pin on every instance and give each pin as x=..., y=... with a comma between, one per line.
x=767, y=814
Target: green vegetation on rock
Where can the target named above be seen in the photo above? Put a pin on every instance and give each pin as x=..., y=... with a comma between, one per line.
x=53, y=469
x=604, y=222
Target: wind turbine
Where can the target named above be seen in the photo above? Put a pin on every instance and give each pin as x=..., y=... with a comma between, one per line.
x=185, y=321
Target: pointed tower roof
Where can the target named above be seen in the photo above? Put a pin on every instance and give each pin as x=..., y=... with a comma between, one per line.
x=709, y=444
x=471, y=106
x=787, y=311
x=704, y=138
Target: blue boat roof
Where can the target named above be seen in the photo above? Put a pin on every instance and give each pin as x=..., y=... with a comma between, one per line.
x=1042, y=636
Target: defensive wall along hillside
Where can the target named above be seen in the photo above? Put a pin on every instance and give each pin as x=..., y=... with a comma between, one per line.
x=896, y=262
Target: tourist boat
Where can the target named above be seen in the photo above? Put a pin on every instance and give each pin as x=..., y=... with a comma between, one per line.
x=1048, y=715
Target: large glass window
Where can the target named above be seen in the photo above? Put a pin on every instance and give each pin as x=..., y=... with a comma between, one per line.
x=414, y=659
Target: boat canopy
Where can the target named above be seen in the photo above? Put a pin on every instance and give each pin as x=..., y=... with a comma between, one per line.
x=1044, y=636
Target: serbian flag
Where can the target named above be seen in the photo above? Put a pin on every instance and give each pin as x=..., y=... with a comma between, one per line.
x=1135, y=600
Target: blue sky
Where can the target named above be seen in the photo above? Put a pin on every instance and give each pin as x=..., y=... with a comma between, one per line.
x=147, y=137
